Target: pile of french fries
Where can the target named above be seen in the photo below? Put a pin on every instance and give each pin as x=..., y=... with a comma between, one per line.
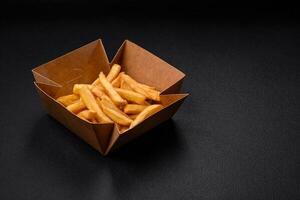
x=115, y=98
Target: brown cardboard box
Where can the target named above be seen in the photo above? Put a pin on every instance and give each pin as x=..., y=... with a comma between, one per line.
x=57, y=77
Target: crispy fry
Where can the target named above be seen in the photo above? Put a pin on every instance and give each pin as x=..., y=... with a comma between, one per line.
x=131, y=96
x=90, y=102
x=115, y=97
x=144, y=86
x=153, y=94
x=96, y=82
x=88, y=115
x=147, y=112
x=76, y=107
x=108, y=102
x=101, y=95
x=95, y=89
x=77, y=87
x=125, y=85
x=149, y=93
x=134, y=108
x=116, y=82
x=114, y=114
x=68, y=99
x=113, y=73
x=147, y=103
x=132, y=116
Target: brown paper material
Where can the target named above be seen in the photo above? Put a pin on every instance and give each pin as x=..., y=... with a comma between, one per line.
x=57, y=77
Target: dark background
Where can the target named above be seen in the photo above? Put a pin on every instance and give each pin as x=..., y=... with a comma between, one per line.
x=235, y=137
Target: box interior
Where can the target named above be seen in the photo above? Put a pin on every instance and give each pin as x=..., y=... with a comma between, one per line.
x=147, y=68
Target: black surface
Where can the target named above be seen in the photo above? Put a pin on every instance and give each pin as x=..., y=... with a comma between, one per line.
x=235, y=137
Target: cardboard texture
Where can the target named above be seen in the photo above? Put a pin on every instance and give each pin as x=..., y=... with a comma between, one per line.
x=57, y=77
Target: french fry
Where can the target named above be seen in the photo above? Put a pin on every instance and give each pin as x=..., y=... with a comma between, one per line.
x=88, y=115
x=117, y=81
x=144, y=86
x=147, y=112
x=115, y=115
x=132, y=116
x=113, y=73
x=153, y=94
x=134, y=108
x=90, y=102
x=115, y=97
x=95, y=89
x=124, y=85
x=147, y=92
x=68, y=99
x=76, y=107
x=147, y=103
x=131, y=96
x=96, y=82
x=101, y=95
x=77, y=87
x=108, y=102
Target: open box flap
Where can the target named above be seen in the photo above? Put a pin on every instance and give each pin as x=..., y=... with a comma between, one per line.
x=171, y=103
x=97, y=135
x=79, y=66
x=147, y=68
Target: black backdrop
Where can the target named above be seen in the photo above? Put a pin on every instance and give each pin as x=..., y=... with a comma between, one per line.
x=235, y=137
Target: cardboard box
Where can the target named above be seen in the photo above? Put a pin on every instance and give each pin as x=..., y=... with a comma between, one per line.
x=57, y=77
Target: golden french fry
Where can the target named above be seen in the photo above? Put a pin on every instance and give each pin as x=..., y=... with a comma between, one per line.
x=88, y=115
x=113, y=73
x=95, y=89
x=125, y=85
x=90, y=102
x=147, y=112
x=131, y=96
x=147, y=103
x=115, y=97
x=100, y=95
x=149, y=93
x=68, y=99
x=76, y=107
x=108, y=102
x=134, y=108
x=96, y=82
x=115, y=115
x=77, y=87
x=132, y=116
x=144, y=86
x=153, y=94
x=117, y=81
